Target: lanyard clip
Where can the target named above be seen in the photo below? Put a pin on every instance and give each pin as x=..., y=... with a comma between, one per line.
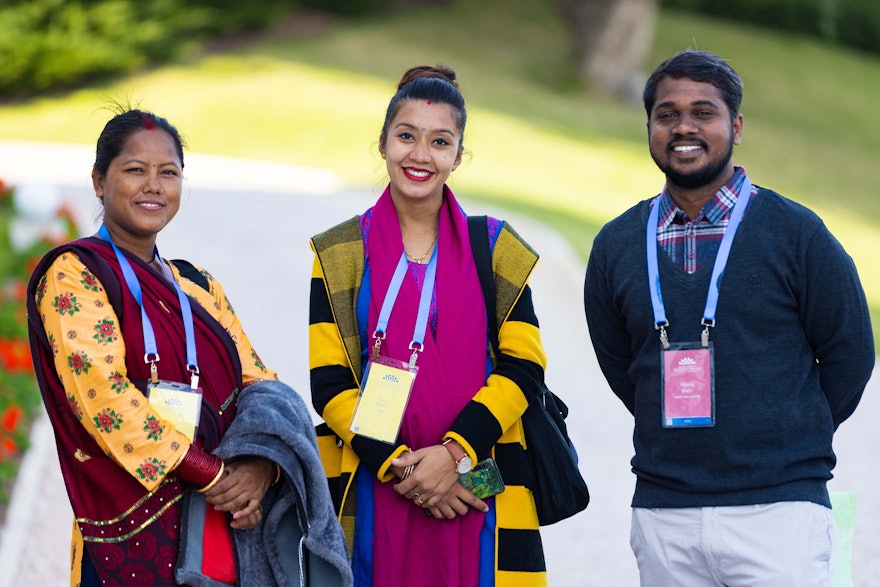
x=193, y=376
x=704, y=337
x=416, y=348
x=378, y=336
x=152, y=359
x=664, y=337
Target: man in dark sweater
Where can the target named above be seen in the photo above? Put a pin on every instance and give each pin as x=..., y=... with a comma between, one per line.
x=739, y=348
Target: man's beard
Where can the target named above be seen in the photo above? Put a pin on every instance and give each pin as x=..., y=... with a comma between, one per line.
x=699, y=178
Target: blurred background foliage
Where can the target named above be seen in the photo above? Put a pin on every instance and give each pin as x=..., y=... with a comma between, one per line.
x=283, y=81
x=305, y=82
x=851, y=23
x=55, y=44
x=19, y=394
x=50, y=45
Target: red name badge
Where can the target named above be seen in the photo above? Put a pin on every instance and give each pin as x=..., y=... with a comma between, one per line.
x=688, y=388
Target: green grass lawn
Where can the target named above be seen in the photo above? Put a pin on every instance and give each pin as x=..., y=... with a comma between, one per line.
x=314, y=93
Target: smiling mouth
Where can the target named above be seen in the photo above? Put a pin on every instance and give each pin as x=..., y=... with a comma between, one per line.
x=150, y=205
x=418, y=174
x=686, y=148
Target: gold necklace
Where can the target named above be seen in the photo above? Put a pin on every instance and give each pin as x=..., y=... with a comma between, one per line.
x=422, y=258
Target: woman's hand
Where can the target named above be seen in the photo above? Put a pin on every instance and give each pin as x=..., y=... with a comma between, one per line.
x=241, y=490
x=456, y=502
x=434, y=484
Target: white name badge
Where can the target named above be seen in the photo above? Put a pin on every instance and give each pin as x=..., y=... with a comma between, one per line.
x=382, y=399
x=178, y=403
x=688, y=385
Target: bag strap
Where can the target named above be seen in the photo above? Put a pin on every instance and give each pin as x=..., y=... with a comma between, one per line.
x=478, y=230
x=189, y=271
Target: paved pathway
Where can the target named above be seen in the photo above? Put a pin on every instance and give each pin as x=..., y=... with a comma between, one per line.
x=253, y=237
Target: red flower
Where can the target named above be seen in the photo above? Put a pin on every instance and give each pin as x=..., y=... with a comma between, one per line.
x=15, y=356
x=41, y=289
x=143, y=546
x=10, y=447
x=19, y=290
x=138, y=575
x=110, y=555
x=12, y=418
x=167, y=557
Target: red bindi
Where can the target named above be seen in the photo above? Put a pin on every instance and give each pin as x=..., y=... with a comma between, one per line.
x=148, y=122
x=429, y=102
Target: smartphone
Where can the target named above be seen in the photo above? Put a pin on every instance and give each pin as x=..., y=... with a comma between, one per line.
x=484, y=480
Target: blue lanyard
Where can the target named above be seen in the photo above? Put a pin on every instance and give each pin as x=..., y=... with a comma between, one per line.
x=416, y=345
x=151, y=353
x=660, y=322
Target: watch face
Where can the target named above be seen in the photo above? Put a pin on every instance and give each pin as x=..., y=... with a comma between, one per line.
x=465, y=465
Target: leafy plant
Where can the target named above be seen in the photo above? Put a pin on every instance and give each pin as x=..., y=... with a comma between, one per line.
x=19, y=393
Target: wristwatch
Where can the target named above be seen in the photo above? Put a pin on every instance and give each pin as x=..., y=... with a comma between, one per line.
x=463, y=463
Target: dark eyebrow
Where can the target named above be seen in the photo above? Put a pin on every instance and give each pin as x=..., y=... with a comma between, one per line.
x=130, y=161
x=692, y=104
x=414, y=127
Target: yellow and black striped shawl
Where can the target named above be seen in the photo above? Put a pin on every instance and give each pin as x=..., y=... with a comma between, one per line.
x=491, y=420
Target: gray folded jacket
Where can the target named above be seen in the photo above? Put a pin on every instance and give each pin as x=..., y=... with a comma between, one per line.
x=299, y=542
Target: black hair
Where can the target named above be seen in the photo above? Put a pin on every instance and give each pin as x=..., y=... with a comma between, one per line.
x=119, y=128
x=424, y=82
x=700, y=66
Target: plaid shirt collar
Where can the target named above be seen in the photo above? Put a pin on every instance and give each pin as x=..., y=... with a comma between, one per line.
x=713, y=211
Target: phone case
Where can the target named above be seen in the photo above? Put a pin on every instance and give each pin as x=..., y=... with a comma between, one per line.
x=484, y=480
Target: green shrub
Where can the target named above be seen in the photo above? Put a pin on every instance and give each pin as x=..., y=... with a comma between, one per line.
x=344, y=7
x=858, y=24
x=19, y=394
x=50, y=44
x=854, y=23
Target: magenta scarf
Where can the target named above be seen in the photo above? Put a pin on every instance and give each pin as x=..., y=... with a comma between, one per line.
x=411, y=548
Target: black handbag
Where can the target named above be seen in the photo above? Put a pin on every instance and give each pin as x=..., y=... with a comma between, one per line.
x=558, y=486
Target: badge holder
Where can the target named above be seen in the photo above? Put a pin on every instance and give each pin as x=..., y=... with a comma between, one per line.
x=178, y=403
x=383, y=395
x=388, y=382
x=688, y=385
x=687, y=379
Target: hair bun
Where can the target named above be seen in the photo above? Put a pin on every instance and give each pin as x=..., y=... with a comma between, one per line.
x=440, y=71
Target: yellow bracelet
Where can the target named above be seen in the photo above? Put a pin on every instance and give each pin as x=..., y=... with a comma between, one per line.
x=214, y=482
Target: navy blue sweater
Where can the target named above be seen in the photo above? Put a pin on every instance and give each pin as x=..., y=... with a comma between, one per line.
x=793, y=352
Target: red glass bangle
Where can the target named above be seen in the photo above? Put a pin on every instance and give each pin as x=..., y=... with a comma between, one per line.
x=199, y=467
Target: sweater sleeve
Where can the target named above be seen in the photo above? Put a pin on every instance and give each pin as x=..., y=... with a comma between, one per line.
x=608, y=333
x=837, y=323
x=333, y=383
x=499, y=404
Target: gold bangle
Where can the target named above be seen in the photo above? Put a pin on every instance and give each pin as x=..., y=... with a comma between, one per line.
x=214, y=482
